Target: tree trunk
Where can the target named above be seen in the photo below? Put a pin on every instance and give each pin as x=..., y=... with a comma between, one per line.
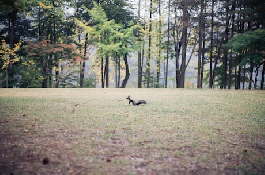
x=139, y=70
x=56, y=64
x=7, y=77
x=211, y=48
x=226, y=50
x=139, y=52
x=83, y=64
x=102, y=72
x=256, y=76
x=82, y=72
x=219, y=48
x=116, y=71
x=203, y=45
x=230, y=70
x=231, y=55
x=177, y=49
x=143, y=64
x=239, y=74
x=250, y=79
x=176, y=55
x=200, y=47
x=49, y=68
x=12, y=22
x=184, y=45
x=168, y=25
x=262, y=76
x=159, y=47
x=149, y=46
x=127, y=74
x=244, y=76
x=238, y=78
x=44, y=72
x=107, y=71
x=57, y=80
x=158, y=70
x=119, y=71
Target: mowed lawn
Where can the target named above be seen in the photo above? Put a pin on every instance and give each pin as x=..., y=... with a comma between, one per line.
x=96, y=131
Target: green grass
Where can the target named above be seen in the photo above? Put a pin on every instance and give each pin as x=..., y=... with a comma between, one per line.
x=95, y=131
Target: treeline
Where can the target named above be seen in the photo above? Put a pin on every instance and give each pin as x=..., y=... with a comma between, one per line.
x=47, y=43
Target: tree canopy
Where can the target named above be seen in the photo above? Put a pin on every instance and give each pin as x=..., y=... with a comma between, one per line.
x=150, y=43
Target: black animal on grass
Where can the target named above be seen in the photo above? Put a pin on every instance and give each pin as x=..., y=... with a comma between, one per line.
x=133, y=102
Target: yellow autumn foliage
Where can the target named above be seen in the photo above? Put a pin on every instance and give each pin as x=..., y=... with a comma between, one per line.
x=5, y=53
x=56, y=69
x=43, y=5
x=41, y=77
x=84, y=25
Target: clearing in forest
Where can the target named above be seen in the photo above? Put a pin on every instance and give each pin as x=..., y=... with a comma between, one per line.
x=96, y=131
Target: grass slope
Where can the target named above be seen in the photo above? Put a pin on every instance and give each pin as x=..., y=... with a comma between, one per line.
x=95, y=131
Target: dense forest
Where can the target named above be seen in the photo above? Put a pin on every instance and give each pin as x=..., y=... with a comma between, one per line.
x=51, y=43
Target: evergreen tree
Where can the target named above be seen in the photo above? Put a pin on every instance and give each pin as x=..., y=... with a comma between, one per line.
x=251, y=52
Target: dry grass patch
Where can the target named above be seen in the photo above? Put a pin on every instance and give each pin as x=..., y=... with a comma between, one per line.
x=95, y=131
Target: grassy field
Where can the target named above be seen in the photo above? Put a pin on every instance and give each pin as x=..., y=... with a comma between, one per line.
x=96, y=131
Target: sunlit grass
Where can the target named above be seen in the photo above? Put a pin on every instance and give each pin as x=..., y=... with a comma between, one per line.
x=96, y=131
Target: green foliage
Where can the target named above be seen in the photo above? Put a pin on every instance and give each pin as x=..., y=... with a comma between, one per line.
x=103, y=32
x=128, y=38
x=28, y=74
x=89, y=83
x=109, y=37
x=247, y=41
x=10, y=5
x=110, y=26
x=250, y=45
x=118, y=11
